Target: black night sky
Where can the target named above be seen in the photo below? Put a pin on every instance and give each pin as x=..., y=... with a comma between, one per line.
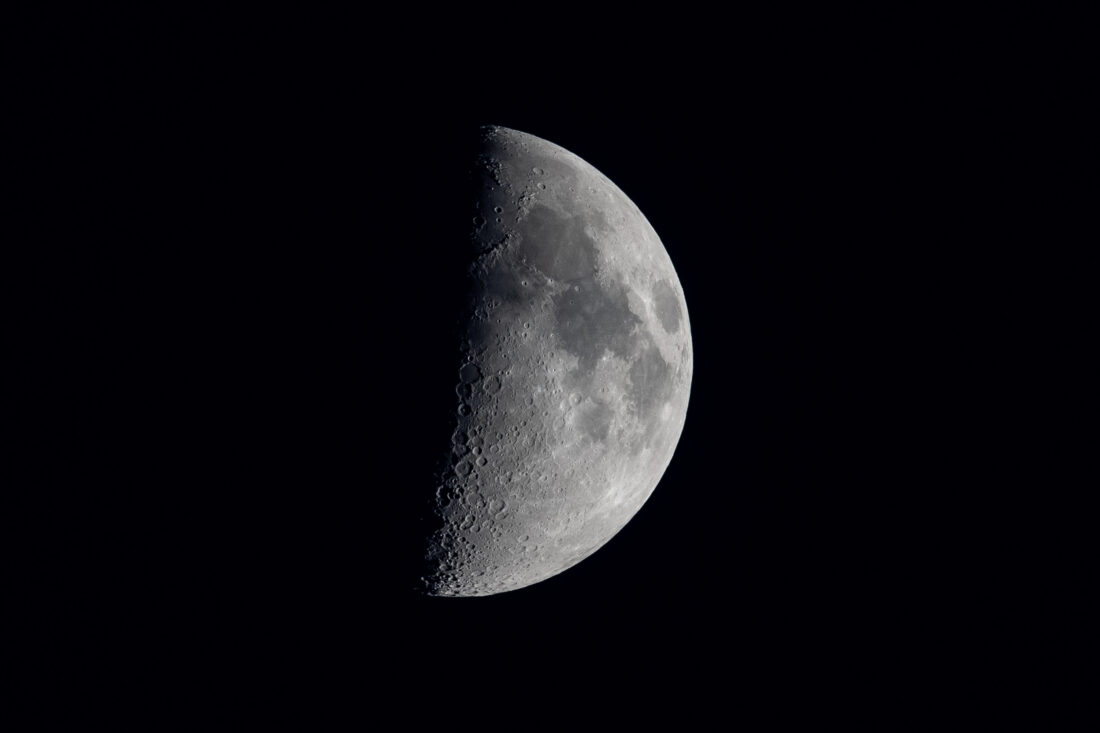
x=278, y=271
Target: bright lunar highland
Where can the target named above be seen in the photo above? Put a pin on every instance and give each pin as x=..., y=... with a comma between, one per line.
x=575, y=373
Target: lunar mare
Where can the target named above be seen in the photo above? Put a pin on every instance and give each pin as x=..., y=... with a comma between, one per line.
x=576, y=371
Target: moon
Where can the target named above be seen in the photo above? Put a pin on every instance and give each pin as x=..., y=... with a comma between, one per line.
x=575, y=371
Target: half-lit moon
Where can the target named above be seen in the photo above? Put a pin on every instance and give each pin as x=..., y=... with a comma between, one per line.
x=577, y=367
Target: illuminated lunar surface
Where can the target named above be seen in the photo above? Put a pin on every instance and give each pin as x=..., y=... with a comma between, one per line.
x=576, y=372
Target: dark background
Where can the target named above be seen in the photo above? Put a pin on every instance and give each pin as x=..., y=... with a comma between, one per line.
x=270, y=242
